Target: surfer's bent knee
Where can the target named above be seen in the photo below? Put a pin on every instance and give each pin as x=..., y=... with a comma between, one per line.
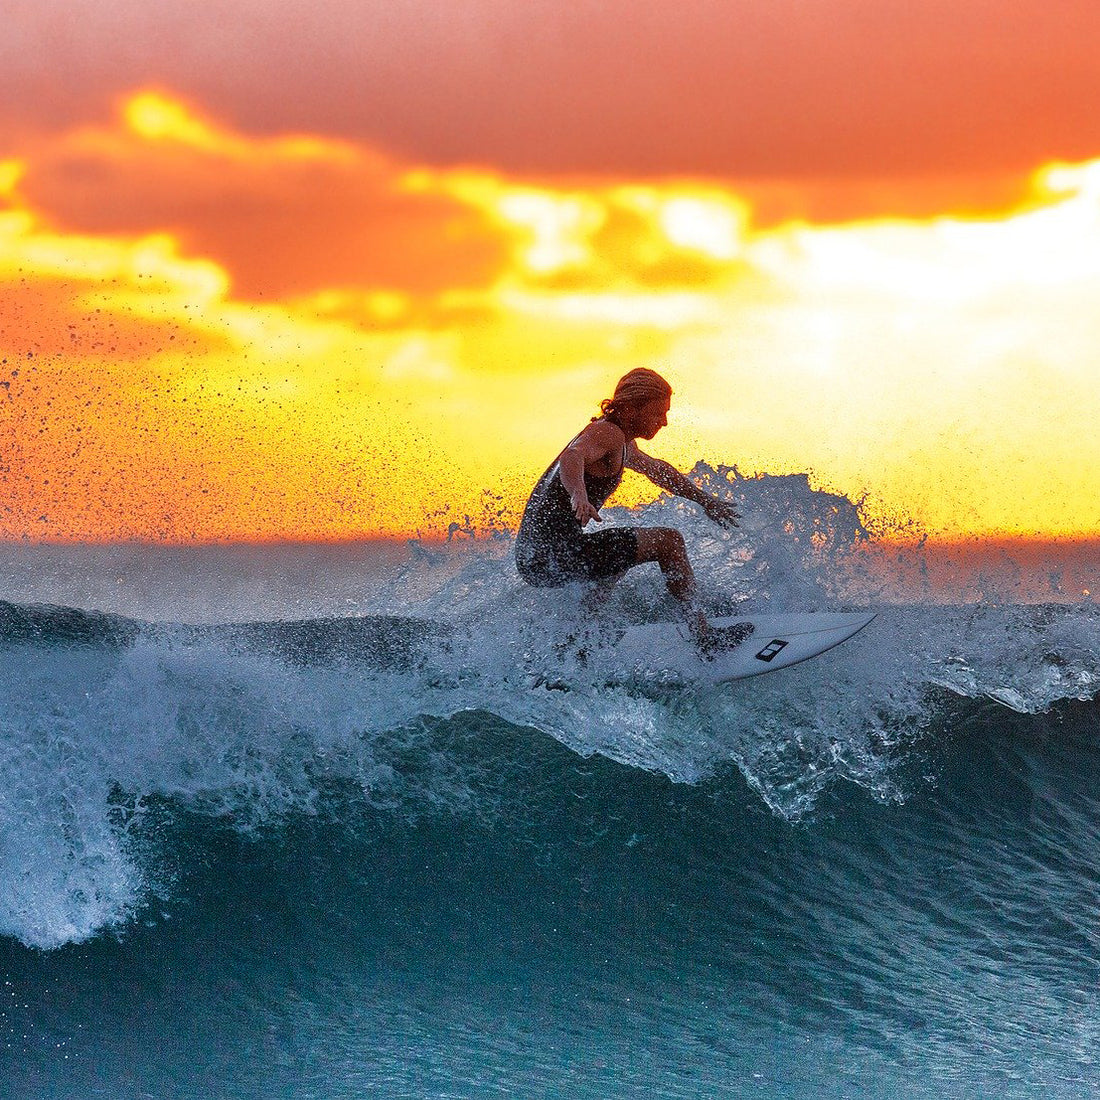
x=660, y=544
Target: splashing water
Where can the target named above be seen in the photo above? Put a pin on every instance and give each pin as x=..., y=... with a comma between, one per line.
x=271, y=694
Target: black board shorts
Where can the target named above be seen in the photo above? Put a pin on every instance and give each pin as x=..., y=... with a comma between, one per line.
x=592, y=557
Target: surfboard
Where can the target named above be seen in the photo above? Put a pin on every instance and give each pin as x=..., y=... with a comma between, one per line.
x=776, y=641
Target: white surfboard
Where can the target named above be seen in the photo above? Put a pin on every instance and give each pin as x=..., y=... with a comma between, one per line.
x=776, y=641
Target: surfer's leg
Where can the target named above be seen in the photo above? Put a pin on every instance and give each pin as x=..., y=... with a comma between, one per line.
x=665, y=546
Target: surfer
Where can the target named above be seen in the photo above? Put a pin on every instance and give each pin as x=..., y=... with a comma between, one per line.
x=551, y=546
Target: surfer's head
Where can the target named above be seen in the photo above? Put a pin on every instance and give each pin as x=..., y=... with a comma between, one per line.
x=639, y=404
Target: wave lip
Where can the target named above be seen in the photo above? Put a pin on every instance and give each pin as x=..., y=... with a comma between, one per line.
x=63, y=886
x=65, y=872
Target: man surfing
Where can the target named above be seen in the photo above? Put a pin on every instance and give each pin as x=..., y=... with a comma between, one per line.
x=551, y=546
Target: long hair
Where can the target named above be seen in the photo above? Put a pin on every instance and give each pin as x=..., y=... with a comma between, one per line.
x=635, y=388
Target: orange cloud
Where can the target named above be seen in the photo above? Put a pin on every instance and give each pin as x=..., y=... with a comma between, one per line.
x=98, y=298
x=57, y=319
x=282, y=216
x=301, y=217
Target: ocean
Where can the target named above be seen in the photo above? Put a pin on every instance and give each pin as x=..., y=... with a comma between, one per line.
x=370, y=820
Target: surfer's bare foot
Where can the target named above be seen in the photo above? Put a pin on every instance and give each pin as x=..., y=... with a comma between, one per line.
x=722, y=606
x=720, y=639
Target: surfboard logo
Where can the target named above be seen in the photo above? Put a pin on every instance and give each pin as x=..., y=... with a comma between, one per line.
x=772, y=650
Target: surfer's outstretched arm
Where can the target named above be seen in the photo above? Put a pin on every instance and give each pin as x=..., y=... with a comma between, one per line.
x=665, y=476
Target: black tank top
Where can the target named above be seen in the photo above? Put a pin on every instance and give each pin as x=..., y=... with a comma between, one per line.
x=548, y=522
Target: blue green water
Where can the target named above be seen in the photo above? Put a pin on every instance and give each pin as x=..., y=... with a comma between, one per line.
x=274, y=853
x=582, y=928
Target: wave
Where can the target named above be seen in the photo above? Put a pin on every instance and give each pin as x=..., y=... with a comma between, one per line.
x=456, y=706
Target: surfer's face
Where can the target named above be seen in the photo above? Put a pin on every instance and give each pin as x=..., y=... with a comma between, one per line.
x=651, y=417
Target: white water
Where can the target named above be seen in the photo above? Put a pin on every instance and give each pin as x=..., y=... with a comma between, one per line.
x=88, y=735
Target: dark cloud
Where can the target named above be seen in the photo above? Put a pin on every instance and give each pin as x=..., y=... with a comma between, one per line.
x=732, y=88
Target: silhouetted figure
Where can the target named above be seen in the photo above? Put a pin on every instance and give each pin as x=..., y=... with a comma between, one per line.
x=551, y=546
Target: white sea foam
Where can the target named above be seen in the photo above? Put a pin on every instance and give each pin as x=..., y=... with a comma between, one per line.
x=244, y=732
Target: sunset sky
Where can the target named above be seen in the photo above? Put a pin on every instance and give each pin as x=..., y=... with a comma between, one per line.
x=278, y=269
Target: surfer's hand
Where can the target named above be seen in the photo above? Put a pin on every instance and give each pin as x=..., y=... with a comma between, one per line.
x=722, y=512
x=583, y=510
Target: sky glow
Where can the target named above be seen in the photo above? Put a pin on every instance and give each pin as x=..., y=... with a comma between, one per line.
x=216, y=329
